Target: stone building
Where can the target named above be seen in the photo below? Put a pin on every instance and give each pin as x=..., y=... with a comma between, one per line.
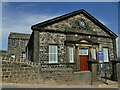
x=3, y=52
x=16, y=44
x=71, y=39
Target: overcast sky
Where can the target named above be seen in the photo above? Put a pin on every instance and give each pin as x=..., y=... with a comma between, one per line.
x=20, y=16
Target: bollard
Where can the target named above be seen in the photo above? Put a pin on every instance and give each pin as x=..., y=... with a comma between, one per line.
x=92, y=65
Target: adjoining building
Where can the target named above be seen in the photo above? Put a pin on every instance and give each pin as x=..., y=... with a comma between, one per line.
x=16, y=44
x=4, y=53
x=71, y=39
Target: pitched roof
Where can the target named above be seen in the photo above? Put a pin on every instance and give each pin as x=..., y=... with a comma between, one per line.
x=63, y=17
x=19, y=35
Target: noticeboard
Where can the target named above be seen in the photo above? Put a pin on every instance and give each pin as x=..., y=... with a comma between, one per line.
x=100, y=54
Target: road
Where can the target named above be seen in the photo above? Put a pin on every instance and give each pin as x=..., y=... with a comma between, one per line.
x=15, y=85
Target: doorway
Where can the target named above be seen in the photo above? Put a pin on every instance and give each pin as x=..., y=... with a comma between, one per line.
x=83, y=57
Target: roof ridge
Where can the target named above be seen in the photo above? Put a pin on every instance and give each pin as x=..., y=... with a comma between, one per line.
x=62, y=17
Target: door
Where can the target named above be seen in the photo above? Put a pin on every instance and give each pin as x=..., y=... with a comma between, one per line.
x=83, y=55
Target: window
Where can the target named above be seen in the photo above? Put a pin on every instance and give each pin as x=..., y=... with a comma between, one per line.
x=13, y=55
x=22, y=43
x=94, y=53
x=13, y=42
x=53, y=54
x=83, y=51
x=105, y=55
x=23, y=55
x=71, y=52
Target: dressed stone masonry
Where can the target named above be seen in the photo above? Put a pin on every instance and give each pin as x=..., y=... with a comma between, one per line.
x=75, y=37
x=27, y=72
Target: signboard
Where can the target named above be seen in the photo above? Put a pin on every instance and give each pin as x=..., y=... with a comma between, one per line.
x=100, y=54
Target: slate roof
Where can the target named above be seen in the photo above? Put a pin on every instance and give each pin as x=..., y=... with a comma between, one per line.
x=19, y=35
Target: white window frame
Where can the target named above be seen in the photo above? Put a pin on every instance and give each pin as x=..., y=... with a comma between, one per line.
x=105, y=54
x=13, y=56
x=53, y=54
x=94, y=53
x=23, y=55
x=71, y=54
x=83, y=51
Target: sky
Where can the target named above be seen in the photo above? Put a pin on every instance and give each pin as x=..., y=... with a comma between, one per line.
x=20, y=16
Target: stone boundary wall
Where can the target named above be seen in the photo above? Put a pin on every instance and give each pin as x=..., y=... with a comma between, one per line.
x=20, y=71
x=67, y=77
x=24, y=71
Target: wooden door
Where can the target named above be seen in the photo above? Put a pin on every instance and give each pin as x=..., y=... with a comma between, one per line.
x=83, y=56
x=83, y=63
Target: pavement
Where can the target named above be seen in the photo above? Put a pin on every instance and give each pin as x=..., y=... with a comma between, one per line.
x=111, y=84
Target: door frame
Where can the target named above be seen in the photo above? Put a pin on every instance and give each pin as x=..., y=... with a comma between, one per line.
x=84, y=55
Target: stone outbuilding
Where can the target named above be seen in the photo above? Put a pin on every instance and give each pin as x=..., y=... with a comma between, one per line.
x=71, y=39
x=16, y=44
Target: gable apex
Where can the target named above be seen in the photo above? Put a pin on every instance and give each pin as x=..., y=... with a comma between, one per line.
x=66, y=16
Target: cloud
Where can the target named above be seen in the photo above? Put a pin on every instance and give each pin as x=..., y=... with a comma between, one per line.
x=20, y=18
x=21, y=24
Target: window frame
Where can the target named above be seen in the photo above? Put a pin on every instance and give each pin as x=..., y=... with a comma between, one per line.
x=85, y=51
x=23, y=55
x=94, y=54
x=107, y=60
x=22, y=43
x=71, y=55
x=54, y=52
x=13, y=56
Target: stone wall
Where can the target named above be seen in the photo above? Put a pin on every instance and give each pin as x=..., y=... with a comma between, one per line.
x=22, y=71
x=72, y=24
x=107, y=42
x=46, y=38
x=67, y=77
x=104, y=41
x=21, y=40
x=14, y=71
